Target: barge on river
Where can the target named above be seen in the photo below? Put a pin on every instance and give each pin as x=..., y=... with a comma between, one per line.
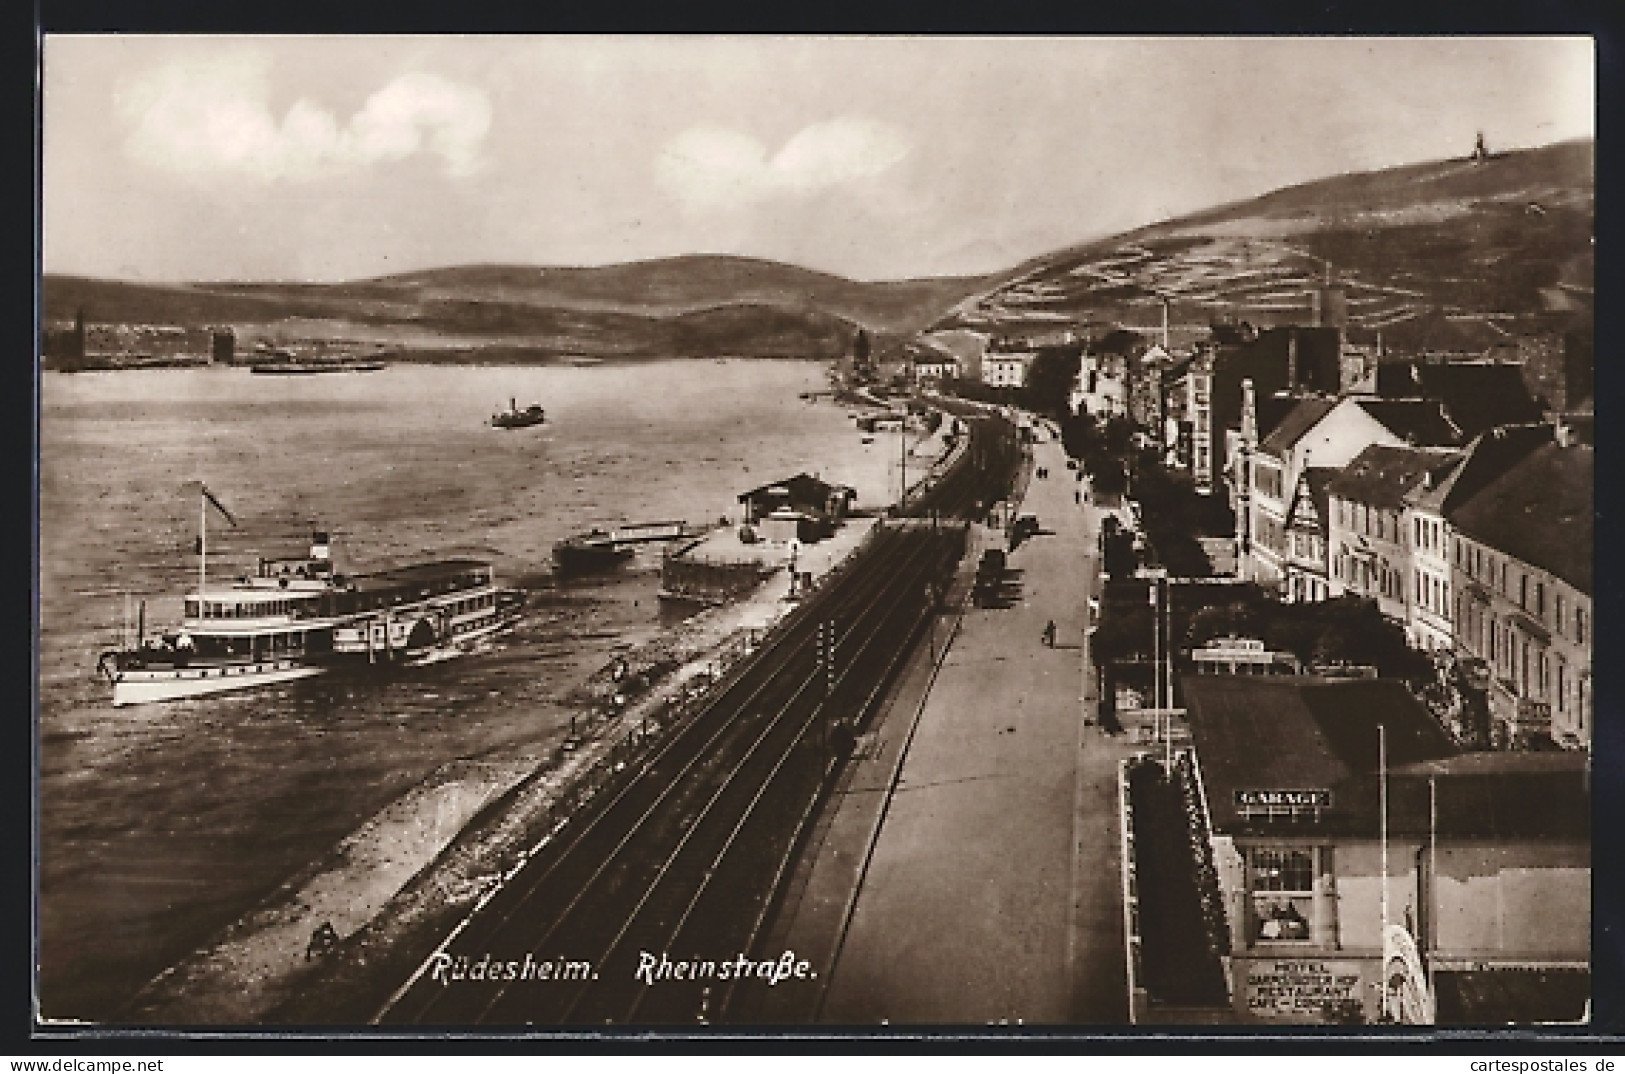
x=294, y=619
x=600, y=550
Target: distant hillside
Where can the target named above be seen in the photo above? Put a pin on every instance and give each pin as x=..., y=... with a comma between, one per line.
x=1444, y=253
x=688, y=305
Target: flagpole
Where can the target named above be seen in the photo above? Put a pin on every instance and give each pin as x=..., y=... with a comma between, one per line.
x=1382, y=830
x=1433, y=889
x=202, y=538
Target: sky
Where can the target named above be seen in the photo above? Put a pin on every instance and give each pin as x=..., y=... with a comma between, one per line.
x=193, y=158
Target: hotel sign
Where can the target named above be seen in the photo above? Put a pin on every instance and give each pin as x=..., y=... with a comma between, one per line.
x=1296, y=799
x=1304, y=990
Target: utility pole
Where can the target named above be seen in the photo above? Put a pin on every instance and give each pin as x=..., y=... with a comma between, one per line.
x=902, y=463
x=1382, y=836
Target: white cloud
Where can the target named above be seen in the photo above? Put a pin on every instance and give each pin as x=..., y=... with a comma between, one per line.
x=214, y=116
x=713, y=166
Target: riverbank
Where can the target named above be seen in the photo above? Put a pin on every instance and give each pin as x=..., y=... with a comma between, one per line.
x=402, y=881
x=414, y=868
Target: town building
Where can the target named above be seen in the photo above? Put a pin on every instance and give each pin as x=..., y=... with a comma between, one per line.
x=1431, y=622
x=1147, y=371
x=1006, y=369
x=1307, y=535
x=1102, y=389
x=1477, y=394
x=1371, y=546
x=802, y=496
x=1521, y=572
x=1362, y=868
x=1320, y=432
x=1198, y=385
x=1293, y=359
x=933, y=370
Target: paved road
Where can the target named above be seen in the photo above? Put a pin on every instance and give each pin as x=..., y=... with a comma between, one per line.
x=993, y=892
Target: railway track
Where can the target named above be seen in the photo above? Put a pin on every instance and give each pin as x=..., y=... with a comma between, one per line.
x=643, y=858
x=628, y=914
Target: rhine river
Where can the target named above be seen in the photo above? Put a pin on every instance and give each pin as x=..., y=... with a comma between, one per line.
x=161, y=824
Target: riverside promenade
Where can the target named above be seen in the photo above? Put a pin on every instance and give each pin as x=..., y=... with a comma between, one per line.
x=969, y=870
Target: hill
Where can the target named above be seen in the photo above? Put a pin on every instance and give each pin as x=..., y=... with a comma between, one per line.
x=1437, y=254
x=683, y=305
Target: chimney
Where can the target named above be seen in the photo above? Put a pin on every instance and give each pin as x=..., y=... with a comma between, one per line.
x=1249, y=412
x=1314, y=307
x=1165, y=345
x=1291, y=360
x=1563, y=433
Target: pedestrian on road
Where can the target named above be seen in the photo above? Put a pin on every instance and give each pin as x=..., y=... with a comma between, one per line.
x=1049, y=634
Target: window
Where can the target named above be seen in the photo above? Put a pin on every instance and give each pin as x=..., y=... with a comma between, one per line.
x=1558, y=610
x=1282, y=888
x=1562, y=685
x=1540, y=601
x=1580, y=625
x=1523, y=591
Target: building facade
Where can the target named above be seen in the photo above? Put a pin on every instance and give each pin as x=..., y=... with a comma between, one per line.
x=1307, y=538
x=1006, y=369
x=1326, y=433
x=1431, y=624
x=1373, y=550
x=1344, y=825
x=1521, y=572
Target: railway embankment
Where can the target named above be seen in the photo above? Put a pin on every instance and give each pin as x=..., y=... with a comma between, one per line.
x=428, y=857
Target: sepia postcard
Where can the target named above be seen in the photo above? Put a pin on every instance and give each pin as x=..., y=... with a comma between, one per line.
x=814, y=534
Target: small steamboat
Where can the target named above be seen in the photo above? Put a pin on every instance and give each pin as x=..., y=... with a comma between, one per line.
x=514, y=418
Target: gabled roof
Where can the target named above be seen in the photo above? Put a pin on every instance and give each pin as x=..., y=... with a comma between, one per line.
x=1421, y=422
x=1271, y=411
x=1476, y=394
x=1382, y=475
x=1539, y=511
x=1312, y=483
x=1490, y=454
x=802, y=487
x=1293, y=427
x=1175, y=371
x=1300, y=732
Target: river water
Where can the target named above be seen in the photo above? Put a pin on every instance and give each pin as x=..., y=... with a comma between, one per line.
x=161, y=824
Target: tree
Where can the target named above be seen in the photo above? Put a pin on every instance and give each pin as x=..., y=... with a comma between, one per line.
x=1236, y=619
x=1049, y=381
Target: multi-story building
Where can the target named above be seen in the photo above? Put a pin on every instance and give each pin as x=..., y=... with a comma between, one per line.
x=1320, y=432
x=934, y=369
x=1431, y=622
x=1293, y=359
x=1352, y=843
x=1103, y=385
x=1006, y=369
x=1520, y=557
x=1371, y=546
x=1307, y=535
